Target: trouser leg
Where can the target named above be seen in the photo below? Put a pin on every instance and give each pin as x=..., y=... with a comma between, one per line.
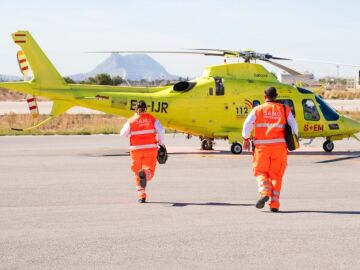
x=277, y=170
x=149, y=163
x=136, y=166
x=261, y=167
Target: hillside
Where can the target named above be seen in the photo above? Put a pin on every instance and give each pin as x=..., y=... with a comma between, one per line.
x=133, y=67
x=9, y=78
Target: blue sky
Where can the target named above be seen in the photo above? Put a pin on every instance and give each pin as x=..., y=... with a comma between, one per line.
x=320, y=30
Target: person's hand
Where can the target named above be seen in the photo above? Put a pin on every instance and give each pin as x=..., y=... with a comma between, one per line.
x=246, y=145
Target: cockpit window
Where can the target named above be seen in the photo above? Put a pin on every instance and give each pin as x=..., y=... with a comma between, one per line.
x=329, y=113
x=310, y=111
x=288, y=102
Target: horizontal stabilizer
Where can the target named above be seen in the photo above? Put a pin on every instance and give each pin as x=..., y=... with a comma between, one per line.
x=60, y=106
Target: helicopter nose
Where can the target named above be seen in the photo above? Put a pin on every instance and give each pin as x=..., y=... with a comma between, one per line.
x=352, y=125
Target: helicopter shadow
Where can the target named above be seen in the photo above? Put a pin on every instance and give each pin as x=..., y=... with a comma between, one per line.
x=322, y=153
x=183, y=204
x=170, y=153
x=339, y=155
x=127, y=154
x=347, y=154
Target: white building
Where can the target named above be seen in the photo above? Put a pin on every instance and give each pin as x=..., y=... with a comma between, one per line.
x=307, y=78
x=353, y=84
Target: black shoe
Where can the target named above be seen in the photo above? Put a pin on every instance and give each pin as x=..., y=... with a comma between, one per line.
x=142, y=200
x=142, y=177
x=274, y=210
x=261, y=202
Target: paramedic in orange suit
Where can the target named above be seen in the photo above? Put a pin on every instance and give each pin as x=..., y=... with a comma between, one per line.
x=145, y=133
x=270, y=154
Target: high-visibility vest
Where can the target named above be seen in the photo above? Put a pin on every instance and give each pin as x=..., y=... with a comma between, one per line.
x=142, y=132
x=270, y=123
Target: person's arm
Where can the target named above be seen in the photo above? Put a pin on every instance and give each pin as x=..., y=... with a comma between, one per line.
x=125, y=131
x=247, y=128
x=292, y=123
x=248, y=125
x=160, y=132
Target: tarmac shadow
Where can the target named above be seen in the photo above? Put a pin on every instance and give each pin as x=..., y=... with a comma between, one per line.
x=339, y=159
x=116, y=155
x=348, y=155
x=354, y=154
x=321, y=212
x=183, y=204
x=322, y=153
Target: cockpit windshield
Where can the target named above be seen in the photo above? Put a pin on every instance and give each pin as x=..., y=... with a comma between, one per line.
x=329, y=113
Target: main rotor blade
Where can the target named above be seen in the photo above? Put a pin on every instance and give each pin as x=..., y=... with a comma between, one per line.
x=169, y=52
x=219, y=50
x=326, y=62
x=287, y=69
x=280, y=58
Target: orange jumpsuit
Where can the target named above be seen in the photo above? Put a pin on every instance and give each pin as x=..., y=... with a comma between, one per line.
x=143, y=147
x=269, y=164
x=270, y=154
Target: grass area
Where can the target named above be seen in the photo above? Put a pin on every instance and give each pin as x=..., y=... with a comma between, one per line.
x=67, y=124
x=340, y=94
x=8, y=95
x=79, y=124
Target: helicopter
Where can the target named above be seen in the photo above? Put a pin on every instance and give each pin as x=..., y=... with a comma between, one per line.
x=211, y=107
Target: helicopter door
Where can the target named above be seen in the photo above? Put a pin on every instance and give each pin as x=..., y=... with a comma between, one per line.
x=311, y=126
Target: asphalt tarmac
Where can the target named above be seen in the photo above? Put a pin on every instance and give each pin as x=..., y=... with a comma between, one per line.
x=69, y=202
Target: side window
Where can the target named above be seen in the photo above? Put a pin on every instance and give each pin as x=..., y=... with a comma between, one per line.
x=288, y=102
x=219, y=87
x=310, y=111
x=256, y=103
x=211, y=91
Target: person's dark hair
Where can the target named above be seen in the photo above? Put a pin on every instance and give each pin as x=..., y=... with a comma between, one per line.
x=141, y=105
x=271, y=93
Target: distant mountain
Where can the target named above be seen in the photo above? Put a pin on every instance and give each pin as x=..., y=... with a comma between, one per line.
x=9, y=78
x=130, y=67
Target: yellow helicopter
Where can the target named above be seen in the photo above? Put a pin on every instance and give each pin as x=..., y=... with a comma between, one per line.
x=213, y=106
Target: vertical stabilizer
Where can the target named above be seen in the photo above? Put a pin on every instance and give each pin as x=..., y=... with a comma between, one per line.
x=45, y=74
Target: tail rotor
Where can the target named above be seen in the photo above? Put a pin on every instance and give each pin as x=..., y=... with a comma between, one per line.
x=24, y=68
